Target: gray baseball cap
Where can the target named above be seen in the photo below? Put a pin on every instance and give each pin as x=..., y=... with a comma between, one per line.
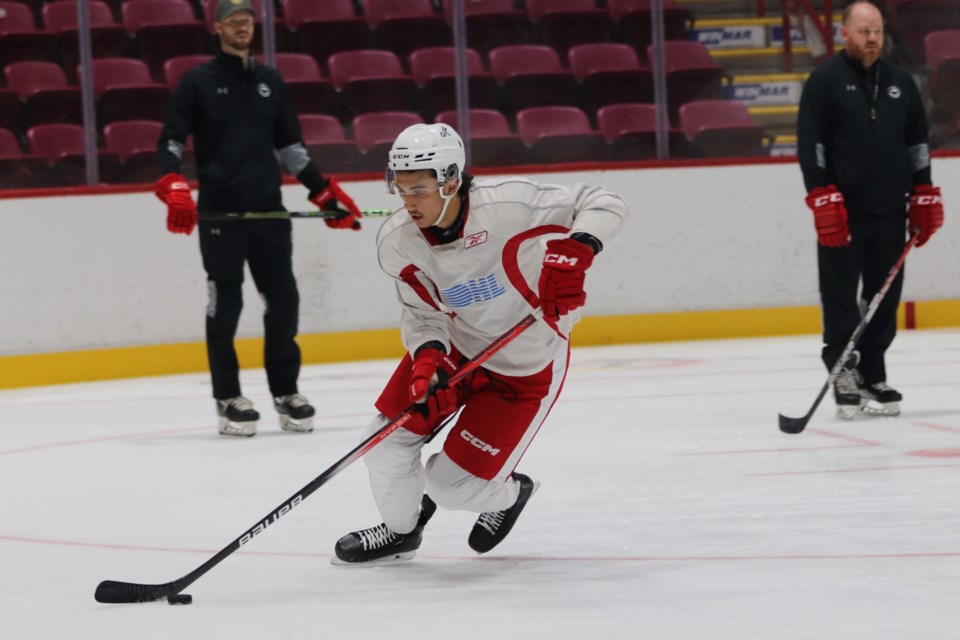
x=226, y=8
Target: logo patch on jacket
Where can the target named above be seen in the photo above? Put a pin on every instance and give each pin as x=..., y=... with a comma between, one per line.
x=474, y=240
x=263, y=90
x=467, y=293
x=893, y=91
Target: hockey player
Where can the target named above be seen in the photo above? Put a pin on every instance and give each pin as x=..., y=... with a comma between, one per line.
x=242, y=119
x=469, y=260
x=863, y=146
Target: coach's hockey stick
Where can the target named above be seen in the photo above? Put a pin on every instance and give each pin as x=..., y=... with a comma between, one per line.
x=797, y=425
x=285, y=215
x=112, y=591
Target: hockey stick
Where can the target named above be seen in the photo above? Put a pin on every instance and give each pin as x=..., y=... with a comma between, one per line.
x=797, y=425
x=111, y=591
x=286, y=215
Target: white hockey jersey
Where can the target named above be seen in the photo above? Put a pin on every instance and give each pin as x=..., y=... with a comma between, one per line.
x=470, y=291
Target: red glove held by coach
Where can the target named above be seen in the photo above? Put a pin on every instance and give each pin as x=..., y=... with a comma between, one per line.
x=174, y=191
x=562, y=277
x=829, y=216
x=926, y=211
x=334, y=199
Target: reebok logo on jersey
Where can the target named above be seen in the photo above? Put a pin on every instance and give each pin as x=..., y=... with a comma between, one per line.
x=474, y=240
x=467, y=293
x=478, y=443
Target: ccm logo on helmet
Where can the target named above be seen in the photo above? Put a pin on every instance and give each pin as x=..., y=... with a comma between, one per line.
x=554, y=258
x=928, y=200
x=478, y=443
x=822, y=200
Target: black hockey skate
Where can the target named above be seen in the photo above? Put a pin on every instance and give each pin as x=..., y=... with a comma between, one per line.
x=380, y=545
x=296, y=413
x=880, y=399
x=493, y=526
x=846, y=389
x=237, y=417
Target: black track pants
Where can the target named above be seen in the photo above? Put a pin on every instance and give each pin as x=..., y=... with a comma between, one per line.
x=877, y=242
x=267, y=246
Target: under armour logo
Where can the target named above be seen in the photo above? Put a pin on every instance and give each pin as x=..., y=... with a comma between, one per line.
x=851, y=87
x=222, y=90
x=215, y=231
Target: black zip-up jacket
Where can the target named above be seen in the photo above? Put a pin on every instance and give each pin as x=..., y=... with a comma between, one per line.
x=865, y=131
x=241, y=120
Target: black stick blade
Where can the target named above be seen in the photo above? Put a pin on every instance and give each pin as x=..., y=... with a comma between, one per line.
x=793, y=425
x=110, y=591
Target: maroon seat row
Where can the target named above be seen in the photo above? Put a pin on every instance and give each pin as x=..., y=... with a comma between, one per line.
x=520, y=76
x=554, y=134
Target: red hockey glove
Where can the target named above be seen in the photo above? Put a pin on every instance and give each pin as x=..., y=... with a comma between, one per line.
x=430, y=367
x=334, y=199
x=829, y=216
x=926, y=211
x=174, y=191
x=439, y=403
x=562, y=276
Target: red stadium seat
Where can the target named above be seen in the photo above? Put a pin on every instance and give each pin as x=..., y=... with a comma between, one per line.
x=19, y=37
x=492, y=23
x=434, y=71
x=328, y=145
x=135, y=142
x=371, y=80
x=374, y=134
x=492, y=144
x=633, y=22
x=108, y=38
x=174, y=68
x=562, y=24
x=44, y=92
x=19, y=170
x=559, y=134
x=611, y=73
x=9, y=109
x=912, y=20
x=722, y=128
x=631, y=132
x=63, y=147
x=691, y=74
x=320, y=29
x=532, y=76
x=404, y=25
x=125, y=90
x=943, y=84
x=310, y=92
x=164, y=29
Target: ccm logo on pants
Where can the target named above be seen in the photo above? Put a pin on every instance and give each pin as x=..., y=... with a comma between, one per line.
x=478, y=443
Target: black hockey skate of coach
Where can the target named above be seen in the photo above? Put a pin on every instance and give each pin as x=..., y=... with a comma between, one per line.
x=241, y=119
x=862, y=142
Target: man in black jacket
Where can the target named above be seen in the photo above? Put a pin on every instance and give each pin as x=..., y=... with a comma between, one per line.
x=863, y=147
x=241, y=119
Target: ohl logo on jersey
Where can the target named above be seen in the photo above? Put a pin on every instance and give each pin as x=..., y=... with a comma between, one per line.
x=467, y=293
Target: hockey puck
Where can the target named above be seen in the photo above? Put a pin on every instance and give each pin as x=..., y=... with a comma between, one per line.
x=180, y=598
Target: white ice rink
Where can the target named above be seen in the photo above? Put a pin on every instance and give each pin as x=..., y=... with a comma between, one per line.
x=671, y=507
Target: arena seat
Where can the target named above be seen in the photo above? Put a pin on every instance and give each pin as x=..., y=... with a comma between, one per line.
x=492, y=144
x=559, y=134
x=722, y=128
x=434, y=71
x=532, y=76
x=374, y=134
x=371, y=80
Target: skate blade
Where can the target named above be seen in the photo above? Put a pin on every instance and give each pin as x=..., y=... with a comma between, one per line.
x=241, y=429
x=296, y=426
x=890, y=409
x=847, y=411
x=379, y=562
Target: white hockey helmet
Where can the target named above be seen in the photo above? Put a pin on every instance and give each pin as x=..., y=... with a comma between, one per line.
x=427, y=146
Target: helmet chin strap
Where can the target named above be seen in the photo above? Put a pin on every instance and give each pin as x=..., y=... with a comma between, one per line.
x=443, y=211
